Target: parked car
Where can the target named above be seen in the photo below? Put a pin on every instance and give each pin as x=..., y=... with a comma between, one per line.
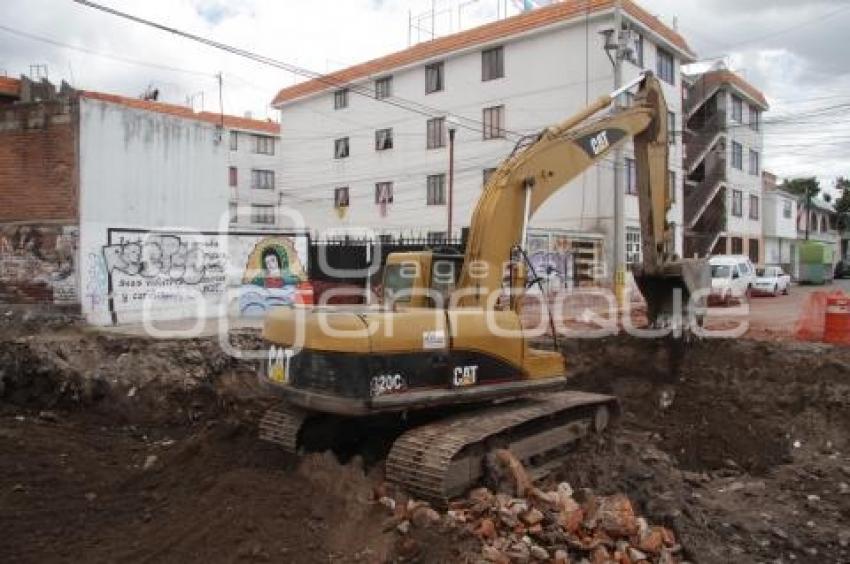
x=771, y=280
x=842, y=269
x=732, y=278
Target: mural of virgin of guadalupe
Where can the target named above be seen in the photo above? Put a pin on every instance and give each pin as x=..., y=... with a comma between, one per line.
x=272, y=274
x=276, y=273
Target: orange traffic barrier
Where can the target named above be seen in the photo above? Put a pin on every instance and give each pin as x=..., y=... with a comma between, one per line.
x=836, y=325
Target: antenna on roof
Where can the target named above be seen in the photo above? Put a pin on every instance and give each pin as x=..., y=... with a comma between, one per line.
x=151, y=94
x=38, y=72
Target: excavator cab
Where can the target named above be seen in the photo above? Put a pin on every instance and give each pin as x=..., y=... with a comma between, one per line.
x=421, y=279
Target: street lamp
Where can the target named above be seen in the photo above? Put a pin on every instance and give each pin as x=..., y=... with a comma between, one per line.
x=452, y=123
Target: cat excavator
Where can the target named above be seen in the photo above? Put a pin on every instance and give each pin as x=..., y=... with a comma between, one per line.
x=445, y=359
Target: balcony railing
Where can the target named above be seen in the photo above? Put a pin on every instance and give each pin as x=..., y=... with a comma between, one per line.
x=699, y=141
x=700, y=240
x=699, y=197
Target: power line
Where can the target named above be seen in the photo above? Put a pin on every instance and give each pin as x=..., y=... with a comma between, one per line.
x=399, y=102
x=88, y=51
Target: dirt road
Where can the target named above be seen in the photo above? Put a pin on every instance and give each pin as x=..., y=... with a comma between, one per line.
x=131, y=449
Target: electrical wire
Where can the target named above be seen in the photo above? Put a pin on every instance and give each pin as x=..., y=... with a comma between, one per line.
x=328, y=80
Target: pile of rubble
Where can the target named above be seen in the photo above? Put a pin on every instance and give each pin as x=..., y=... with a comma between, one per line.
x=532, y=525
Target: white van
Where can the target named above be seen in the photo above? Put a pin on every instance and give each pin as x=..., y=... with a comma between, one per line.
x=732, y=277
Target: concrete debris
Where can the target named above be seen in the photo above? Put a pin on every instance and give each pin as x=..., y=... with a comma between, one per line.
x=559, y=526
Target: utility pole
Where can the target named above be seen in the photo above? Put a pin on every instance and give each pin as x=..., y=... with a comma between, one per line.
x=619, y=187
x=220, y=99
x=452, y=130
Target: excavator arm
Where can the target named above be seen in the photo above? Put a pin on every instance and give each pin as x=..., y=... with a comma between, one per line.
x=527, y=179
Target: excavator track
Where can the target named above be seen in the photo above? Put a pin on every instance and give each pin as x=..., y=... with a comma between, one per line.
x=281, y=424
x=440, y=460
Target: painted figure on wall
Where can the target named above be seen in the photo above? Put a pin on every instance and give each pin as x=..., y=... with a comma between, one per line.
x=272, y=274
x=276, y=273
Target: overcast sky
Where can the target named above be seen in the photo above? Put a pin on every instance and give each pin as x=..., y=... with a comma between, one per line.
x=793, y=50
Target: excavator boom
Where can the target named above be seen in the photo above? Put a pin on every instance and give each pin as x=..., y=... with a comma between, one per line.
x=527, y=179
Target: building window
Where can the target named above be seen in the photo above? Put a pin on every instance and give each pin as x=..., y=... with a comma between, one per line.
x=633, y=250
x=754, y=251
x=786, y=209
x=737, y=246
x=737, y=109
x=234, y=141
x=671, y=127
x=737, y=155
x=383, y=192
x=341, y=148
x=383, y=139
x=263, y=144
x=666, y=68
x=754, y=162
x=671, y=186
x=341, y=197
x=492, y=63
x=754, y=206
x=234, y=215
x=233, y=176
x=488, y=172
x=436, y=133
x=436, y=190
x=737, y=203
x=823, y=224
x=341, y=99
x=494, y=122
x=262, y=214
x=631, y=176
x=384, y=87
x=755, y=118
x=434, y=77
x=262, y=179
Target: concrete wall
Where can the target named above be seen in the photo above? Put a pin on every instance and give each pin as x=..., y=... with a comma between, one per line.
x=549, y=76
x=154, y=222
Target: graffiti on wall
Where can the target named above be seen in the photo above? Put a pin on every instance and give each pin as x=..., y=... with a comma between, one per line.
x=177, y=275
x=273, y=271
x=156, y=270
x=38, y=264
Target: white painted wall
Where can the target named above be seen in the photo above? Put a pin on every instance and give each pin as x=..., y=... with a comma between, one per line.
x=549, y=75
x=145, y=171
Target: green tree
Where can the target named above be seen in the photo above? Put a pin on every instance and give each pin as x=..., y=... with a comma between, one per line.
x=842, y=204
x=805, y=189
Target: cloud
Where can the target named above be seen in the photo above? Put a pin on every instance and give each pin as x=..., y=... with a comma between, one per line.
x=791, y=50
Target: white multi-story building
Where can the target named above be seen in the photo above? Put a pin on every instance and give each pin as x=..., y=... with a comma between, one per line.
x=251, y=163
x=723, y=165
x=366, y=147
x=780, y=225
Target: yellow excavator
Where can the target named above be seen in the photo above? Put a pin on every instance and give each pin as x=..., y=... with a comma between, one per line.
x=445, y=359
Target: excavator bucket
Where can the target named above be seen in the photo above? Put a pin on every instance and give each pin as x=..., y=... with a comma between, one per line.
x=678, y=287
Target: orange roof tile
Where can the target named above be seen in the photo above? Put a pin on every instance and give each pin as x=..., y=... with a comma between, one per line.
x=502, y=29
x=725, y=76
x=232, y=122
x=10, y=86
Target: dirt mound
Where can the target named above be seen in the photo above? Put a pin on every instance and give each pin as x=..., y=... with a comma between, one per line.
x=739, y=446
x=721, y=402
